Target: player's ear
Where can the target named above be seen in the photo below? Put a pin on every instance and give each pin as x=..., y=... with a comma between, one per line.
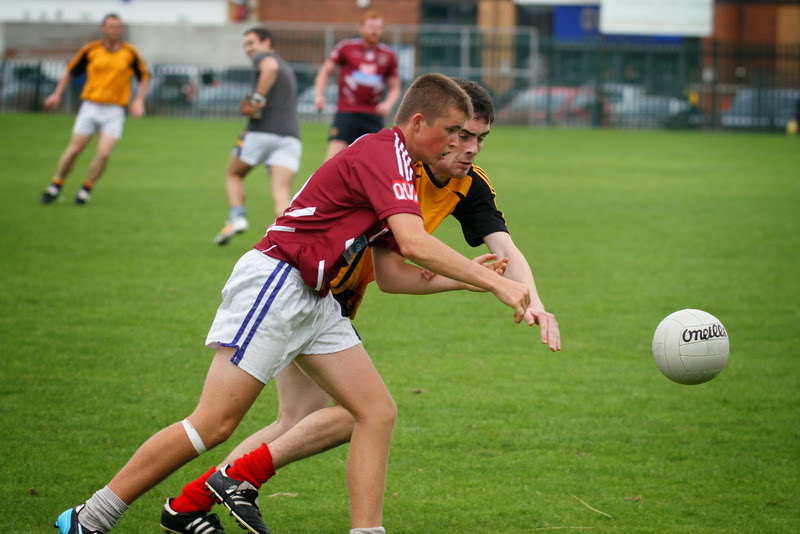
x=417, y=119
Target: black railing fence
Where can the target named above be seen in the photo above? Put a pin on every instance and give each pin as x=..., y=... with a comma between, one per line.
x=701, y=84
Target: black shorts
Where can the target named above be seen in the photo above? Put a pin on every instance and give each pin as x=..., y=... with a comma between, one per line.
x=349, y=126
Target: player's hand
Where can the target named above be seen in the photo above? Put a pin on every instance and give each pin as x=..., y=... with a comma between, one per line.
x=250, y=108
x=52, y=101
x=488, y=261
x=383, y=109
x=514, y=294
x=548, y=326
x=136, y=108
x=319, y=102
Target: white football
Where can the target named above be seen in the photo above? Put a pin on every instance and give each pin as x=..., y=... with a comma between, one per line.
x=690, y=346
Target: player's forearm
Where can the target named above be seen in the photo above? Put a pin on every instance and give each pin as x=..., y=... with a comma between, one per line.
x=62, y=84
x=141, y=92
x=519, y=270
x=419, y=285
x=432, y=254
x=321, y=80
x=394, y=275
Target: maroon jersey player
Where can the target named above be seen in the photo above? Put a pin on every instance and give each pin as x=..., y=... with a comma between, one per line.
x=367, y=71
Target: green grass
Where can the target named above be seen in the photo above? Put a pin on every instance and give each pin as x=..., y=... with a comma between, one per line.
x=105, y=309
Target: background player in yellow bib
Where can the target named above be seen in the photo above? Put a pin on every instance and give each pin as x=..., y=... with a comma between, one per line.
x=109, y=64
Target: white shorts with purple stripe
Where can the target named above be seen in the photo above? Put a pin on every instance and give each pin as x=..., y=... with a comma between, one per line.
x=271, y=316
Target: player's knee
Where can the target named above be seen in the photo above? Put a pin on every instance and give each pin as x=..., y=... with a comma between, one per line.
x=215, y=437
x=287, y=418
x=383, y=413
x=218, y=433
x=343, y=421
x=74, y=150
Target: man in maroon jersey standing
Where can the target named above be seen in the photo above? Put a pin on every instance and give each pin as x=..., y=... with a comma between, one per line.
x=366, y=68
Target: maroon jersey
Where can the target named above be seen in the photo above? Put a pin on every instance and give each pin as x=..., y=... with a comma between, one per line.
x=363, y=74
x=343, y=207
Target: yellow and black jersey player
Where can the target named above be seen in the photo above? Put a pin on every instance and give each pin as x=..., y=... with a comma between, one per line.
x=470, y=198
x=458, y=187
x=109, y=65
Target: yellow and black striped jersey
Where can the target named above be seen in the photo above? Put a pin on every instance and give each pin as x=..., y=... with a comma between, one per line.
x=471, y=200
x=108, y=74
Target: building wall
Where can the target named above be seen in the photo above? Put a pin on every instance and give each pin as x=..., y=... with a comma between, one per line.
x=92, y=11
x=757, y=23
x=750, y=39
x=494, y=16
x=788, y=24
x=339, y=11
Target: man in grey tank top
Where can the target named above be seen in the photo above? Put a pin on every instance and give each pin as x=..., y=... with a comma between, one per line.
x=272, y=135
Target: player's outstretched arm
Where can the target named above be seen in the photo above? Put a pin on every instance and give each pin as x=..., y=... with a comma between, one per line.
x=394, y=275
x=518, y=269
x=430, y=253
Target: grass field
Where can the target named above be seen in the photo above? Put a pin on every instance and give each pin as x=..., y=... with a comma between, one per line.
x=106, y=307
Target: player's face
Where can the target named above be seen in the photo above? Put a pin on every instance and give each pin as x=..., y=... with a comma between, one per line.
x=470, y=142
x=435, y=140
x=252, y=45
x=112, y=29
x=371, y=31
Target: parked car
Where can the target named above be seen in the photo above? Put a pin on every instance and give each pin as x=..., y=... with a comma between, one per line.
x=618, y=93
x=646, y=111
x=236, y=75
x=761, y=109
x=221, y=100
x=170, y=93
x=25, y=86
x=561, y=106
x=173, y=88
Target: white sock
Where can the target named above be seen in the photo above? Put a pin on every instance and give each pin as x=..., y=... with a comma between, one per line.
x=102, y=510
x=372, y=530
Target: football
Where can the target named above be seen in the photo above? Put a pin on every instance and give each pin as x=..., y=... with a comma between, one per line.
x=690, y=346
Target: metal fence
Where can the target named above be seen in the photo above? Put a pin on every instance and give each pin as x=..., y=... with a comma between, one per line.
x=534, y=81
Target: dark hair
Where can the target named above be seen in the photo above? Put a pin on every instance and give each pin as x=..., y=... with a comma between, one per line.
x=262, y=33
x=434, y=95
x=482, y=106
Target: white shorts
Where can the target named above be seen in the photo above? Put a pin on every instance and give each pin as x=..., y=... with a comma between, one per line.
x=104, y=118
x=271, y=316
x=270, y=149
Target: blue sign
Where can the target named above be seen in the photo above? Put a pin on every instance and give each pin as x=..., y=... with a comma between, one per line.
x=582, y=23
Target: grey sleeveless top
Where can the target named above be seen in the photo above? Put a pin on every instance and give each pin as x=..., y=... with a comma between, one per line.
x=279, y=115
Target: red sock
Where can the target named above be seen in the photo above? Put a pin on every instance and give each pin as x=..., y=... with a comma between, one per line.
x=255, y=467
x=194, y=497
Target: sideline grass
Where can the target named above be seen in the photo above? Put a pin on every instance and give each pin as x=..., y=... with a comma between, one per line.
x=105, y=309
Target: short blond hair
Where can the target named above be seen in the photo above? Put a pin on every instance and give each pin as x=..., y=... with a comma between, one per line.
x=433, y=95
